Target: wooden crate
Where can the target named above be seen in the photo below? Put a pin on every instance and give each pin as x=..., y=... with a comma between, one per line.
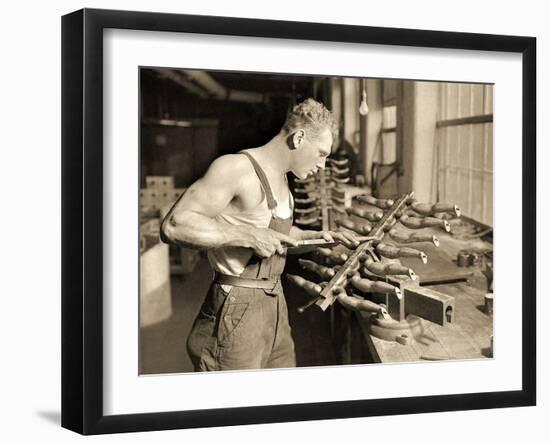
x=159, y=182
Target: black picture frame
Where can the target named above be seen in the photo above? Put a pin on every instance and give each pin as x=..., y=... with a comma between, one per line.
x=82, y=218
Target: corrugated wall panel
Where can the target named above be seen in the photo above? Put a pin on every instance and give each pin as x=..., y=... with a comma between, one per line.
x=478, y=166
x=488, y=99
x=465, y=152
x=444, y=160
x=488, y=206
x=478, y=99
x=452, y=101
x=454, y=151
x=464, y=100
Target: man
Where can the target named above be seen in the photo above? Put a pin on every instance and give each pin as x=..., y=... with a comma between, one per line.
x=241, y=212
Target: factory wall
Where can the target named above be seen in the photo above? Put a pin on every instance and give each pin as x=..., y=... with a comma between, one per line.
x=465, y=150
x=419, y=117
x=373, y=124
x=439, y=163
x=351, y=115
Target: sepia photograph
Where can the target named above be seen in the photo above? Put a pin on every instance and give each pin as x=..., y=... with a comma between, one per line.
x=293, y=221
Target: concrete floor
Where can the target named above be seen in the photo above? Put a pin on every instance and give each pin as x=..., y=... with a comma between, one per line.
x=163, y=345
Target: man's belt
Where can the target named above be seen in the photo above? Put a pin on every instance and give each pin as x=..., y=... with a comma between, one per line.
x=256, y=283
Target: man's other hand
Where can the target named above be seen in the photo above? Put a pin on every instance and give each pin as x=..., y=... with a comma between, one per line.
x=347, y=238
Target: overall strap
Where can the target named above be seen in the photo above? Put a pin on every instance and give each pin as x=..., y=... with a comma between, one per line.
x=271, y=202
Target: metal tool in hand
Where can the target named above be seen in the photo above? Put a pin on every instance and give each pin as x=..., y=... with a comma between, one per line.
x=305, y=246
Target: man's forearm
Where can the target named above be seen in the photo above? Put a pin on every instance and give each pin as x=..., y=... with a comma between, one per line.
x=196, y=230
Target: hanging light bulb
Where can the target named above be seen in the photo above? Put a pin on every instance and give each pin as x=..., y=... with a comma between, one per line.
x=363, y=108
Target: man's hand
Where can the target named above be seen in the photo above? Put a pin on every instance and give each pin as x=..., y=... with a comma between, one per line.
x=267, y=242
x=347, y=238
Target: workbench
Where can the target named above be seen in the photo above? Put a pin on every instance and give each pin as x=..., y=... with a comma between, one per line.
x=468, y=336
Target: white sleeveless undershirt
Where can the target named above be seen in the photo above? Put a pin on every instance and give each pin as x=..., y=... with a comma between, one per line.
x=233, y=260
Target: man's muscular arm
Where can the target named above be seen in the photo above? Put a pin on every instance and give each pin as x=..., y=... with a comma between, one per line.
x=191, y=222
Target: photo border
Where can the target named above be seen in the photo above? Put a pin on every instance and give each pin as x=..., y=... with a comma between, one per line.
x=82, y=220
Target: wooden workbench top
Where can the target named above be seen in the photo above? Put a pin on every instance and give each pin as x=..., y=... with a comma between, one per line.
x=469, y=336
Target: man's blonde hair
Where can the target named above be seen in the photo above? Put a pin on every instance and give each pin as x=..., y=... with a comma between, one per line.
x=311, y=114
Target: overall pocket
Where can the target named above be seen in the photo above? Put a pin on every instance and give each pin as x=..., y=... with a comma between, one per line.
x=213, y=303
x=232, y=318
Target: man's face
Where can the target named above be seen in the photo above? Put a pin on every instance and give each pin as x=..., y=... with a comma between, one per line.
x=310, y=154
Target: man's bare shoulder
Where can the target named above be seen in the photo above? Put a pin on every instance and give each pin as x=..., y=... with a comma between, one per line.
x=231, y=168
x=231, y=163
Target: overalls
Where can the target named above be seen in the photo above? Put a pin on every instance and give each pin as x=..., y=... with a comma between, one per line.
x=246, y=327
